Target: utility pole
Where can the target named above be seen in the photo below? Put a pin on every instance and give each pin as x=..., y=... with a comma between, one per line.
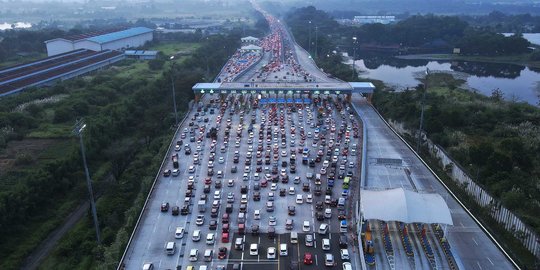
x=77, y=130
x=354, y=58
x=174, y=92
x=422, y=112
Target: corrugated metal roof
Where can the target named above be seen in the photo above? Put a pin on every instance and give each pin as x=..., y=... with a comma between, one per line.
x=120, y=35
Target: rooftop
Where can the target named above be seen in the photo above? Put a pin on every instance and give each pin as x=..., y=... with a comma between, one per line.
x=120, y=35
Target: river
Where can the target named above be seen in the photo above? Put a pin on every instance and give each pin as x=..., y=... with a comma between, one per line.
x=6, y=26
x=516, y=82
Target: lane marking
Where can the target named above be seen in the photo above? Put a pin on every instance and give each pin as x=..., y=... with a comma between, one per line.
x=479, y=266
x=490, y=261
x=474, y=240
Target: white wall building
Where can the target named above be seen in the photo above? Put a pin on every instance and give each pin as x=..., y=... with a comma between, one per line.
x=98, y=41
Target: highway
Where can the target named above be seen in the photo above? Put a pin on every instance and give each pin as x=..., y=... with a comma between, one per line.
x=252, y=151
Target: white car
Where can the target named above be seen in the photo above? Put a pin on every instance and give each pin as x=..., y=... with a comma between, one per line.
x=273, y=186
x=306, y=227
x=217, y=195
x=271, y=253
x=257, y=214
x=244, y=198
x=179, y=233
x=345, y=255
x=299, y=199
x=351, y=164
x=230, y=183
x=272, y=221
x=254, y=250
x=309, y=198
x=175, y=172
x=200, y=220
x=191, y=169
x=221, y=160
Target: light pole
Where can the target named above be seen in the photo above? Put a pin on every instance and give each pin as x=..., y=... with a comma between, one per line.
x=309, y=50
x=173, y=91
x=354, y=58
x=316, y=39
x=422, y=112
x=77, y=130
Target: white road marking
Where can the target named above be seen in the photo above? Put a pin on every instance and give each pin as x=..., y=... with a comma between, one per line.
x=490, y=261
x=316, y=260
x=479, y=266
x=474, y=240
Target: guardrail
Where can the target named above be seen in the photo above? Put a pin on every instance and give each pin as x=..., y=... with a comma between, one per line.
x=135, y=229
x=499, y=246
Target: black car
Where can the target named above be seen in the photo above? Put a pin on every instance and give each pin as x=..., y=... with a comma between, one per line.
x=318, y=190
x=175, y=210
x=319, y=205
x=212, y=225
x=185, y=210
x=320, y=216
x=282, y=192
x=343, y=241
x=292, y=210
x=234, y=169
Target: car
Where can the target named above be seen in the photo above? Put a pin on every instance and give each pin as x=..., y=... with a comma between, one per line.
x=254, y=250
x=309, y=198
x=282, y=192
x=234, y=169
x=200, y=220
x=291, y=210
x=175, y=172
x=308, y=258
x=297, y=180
x=306, y=227
x=328, y=259
x=179, y=233
x=222, y=253
x=212, y=225
x=221, y=160
x=345, y=255
x=273, y=186
x=271, y=253
x=289, y=224
x=175, y=210
x=299, y=199
x=164, y=207
x=148, y=266
x=191, y=169
x=272, y=221
x=292, y=191
x=167, y=173
x=257, y=214
x=309, y=240
x=230, y=183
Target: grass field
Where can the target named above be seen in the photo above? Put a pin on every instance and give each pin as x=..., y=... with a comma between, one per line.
x=171, y=48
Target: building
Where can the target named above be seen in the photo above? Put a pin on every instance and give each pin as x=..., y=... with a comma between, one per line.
x=141, y=55
x=101, y=40
x=374, y=19
x=249, y=40
x=251, y=48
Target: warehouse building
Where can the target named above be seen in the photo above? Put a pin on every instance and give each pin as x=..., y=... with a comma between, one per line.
x=101, y=40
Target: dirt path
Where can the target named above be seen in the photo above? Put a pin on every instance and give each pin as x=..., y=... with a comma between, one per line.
x=36, y=257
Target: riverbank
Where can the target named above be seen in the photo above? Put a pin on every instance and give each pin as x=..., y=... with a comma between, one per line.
x=522, y=59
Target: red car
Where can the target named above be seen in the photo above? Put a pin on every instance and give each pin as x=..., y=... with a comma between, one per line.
x=225, y=237
x=222, y=253
x=264, y=183
x=208, y=181
x=308, y=258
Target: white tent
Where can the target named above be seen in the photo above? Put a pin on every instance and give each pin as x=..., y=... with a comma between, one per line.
x=405, y=206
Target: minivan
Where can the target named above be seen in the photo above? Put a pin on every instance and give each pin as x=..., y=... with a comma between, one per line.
x=294, y=237
x=196, y=235
x=283, y=250
x=326, y=244
x=170, y=248
x=208, y=255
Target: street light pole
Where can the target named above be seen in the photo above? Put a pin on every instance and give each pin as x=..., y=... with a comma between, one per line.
x=174, y=92
x=354, y=58
x=309, y=50
x=77, y=130
x=422, y=112
x=316, y=45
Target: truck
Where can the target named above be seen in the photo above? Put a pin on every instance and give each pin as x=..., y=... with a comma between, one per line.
x=175, y=161
x=202, y=206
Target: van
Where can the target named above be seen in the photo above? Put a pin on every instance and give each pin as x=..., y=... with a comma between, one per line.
x=170, y=248
x=254, y=250
x=341, y=203
x=210, y=239
x=326, y=244
x=193, y=255
x=328, y=259
x=208, y=253
x=294, y=237
x=283, y=250
x=239, y=243
x=196, y=235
